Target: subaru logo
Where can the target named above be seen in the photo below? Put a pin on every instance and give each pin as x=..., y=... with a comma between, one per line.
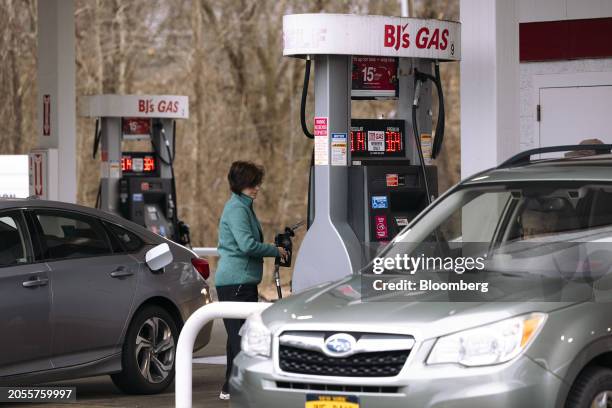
x=340, y=344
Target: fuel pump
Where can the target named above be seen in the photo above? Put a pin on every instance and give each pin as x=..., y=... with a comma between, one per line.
x=370, y=177
x=139, y=184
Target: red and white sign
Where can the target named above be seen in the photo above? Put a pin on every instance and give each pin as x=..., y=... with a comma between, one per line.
x=43, y=175
x=392, y=180
x=374, y=77
x=321, y=141
x=136, y=128
x=37, y=174
x=46, y=115
x=320, y=126
x=135, y=106
x=349, y=34
x=376, y=141
x=380, y=224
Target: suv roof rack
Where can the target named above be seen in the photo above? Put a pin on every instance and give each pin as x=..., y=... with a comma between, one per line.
x=525, y=157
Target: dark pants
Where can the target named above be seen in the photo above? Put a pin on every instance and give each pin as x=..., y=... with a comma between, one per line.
x=234, y=293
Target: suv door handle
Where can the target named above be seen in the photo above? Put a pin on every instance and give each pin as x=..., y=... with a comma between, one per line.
x=121, y=272
x=32, y=283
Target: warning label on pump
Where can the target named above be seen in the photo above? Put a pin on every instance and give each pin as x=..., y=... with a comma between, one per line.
x=426, y=146
x=338, y=149
x=392, y=180
x=321, y=141
x=380, y=222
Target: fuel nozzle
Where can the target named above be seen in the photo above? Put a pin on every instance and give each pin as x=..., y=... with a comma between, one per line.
x=283, y=240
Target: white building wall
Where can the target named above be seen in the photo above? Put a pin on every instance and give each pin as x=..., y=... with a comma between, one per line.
x=554, y=10
x=540, y=74
x=499, y=95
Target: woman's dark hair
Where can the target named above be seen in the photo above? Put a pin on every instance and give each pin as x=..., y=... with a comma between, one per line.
x=244, y=174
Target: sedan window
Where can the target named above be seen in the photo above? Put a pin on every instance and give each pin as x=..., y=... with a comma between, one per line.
x=66, y=235
x=130, y=241
x=12, y=241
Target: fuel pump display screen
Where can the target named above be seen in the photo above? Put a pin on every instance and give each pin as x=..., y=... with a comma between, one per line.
x=377, y=138
x=138, y=164
x=136, y=128
x=374, y=77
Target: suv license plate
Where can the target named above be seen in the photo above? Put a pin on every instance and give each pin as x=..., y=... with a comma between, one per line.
x=331, y=401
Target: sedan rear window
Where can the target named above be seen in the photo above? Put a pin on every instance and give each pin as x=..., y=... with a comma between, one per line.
x=128, y=240
x=66, y=235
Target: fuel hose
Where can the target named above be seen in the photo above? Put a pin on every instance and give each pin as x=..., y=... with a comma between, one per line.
x=304, y=97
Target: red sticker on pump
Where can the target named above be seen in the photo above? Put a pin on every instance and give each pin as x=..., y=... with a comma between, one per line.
x=380, y=222
x=392, y=180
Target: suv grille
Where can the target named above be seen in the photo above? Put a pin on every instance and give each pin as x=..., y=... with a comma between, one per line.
x=337, y=387
x=376, y=364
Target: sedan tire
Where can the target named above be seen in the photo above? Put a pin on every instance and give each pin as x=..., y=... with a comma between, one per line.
x=148, y=352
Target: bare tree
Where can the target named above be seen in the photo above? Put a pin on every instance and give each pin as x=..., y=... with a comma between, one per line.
x=244, y=95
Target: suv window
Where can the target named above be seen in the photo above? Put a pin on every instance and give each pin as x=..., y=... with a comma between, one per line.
x=66, y=235
x=12, y=240
x=130, y=241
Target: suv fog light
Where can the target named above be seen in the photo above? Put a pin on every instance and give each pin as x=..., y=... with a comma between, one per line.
x=256, y=338
x=494, y=343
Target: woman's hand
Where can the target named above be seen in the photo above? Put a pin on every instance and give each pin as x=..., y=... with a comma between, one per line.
x=283, y=253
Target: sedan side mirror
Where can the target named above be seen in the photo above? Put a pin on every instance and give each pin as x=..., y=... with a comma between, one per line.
x=159, y=257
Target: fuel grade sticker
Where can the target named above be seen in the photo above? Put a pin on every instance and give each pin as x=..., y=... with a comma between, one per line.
x=338, y=149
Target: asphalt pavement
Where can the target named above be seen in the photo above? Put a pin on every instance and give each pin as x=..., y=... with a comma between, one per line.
x=208, y=375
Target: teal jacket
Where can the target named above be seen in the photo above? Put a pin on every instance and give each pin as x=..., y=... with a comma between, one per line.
x=241, y=250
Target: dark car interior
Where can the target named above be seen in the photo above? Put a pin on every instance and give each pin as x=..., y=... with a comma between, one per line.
x=65, y=238
x=12, y=250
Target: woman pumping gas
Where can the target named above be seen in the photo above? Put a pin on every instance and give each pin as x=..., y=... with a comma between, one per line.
x=241, y=252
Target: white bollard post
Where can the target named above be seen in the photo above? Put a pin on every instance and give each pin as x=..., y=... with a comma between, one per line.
x=193, y=325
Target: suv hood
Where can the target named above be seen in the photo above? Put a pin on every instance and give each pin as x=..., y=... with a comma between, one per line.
x=338, y=306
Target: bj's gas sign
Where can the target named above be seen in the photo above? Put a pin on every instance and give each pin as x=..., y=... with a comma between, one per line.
x=343, y=34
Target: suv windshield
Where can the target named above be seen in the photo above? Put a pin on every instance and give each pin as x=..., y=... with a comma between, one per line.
x=543, y=228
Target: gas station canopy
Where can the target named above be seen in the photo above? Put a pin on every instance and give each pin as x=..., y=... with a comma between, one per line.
x=135, y=106
x=382, y=36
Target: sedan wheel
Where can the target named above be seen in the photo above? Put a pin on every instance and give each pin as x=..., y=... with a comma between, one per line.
x=155, y=350
x=148, y=352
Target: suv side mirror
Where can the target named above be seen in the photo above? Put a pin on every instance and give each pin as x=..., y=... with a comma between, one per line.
x=159, y=257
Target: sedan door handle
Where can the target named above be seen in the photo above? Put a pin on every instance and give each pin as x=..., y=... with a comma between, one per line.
x=35, y=282
x=121, y=272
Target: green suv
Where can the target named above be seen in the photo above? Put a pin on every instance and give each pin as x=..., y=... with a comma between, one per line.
x=528, y=324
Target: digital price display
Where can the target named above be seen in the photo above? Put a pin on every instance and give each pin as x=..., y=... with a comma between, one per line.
x=138, y=163
x=377, y=138
x=374, y=77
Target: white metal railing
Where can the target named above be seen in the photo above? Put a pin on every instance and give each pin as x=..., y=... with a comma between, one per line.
x=193, y=325
x=206, y=251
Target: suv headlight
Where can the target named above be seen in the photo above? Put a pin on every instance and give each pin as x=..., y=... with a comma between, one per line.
x=256, y=338
x=494, y=343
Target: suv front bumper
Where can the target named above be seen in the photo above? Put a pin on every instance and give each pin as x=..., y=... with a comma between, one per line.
x=520, y=383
